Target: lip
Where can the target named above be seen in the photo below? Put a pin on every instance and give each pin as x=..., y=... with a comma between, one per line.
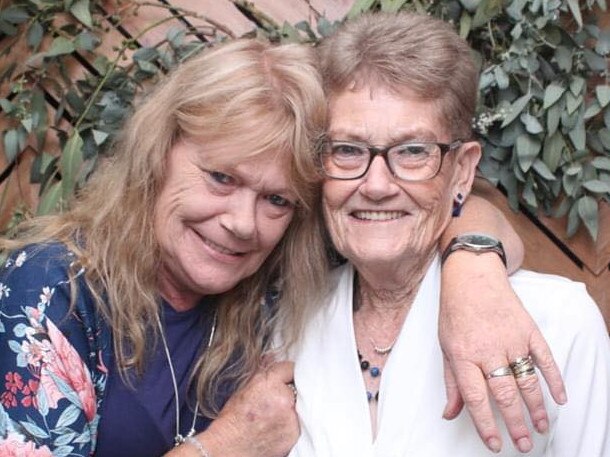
x=378, y=215
x=219, y=252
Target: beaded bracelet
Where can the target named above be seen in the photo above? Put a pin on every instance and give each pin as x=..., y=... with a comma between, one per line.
x=203, y=452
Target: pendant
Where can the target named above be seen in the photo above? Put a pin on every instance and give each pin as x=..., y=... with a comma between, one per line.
x=178, y=440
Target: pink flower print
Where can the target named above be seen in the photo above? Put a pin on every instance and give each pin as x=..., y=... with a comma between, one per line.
x=15, y=446
x=34, y=351
x=14, y=382
x=29, y=394
x=8, y=399
x=68, y=366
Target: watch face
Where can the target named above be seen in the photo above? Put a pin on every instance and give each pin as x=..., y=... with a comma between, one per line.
x=480, y=241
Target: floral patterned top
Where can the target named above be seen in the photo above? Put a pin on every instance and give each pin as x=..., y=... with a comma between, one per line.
x=52, y=361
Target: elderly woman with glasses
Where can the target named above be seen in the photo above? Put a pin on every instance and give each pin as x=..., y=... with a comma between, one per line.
x=399, y=158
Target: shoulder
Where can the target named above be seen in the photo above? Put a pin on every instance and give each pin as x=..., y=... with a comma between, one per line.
x=37, y=262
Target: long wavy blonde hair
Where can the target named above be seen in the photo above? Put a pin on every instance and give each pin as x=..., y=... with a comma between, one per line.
x=271, y=96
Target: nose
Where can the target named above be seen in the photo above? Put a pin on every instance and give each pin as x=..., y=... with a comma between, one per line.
x=239, y=217
x=379, y=182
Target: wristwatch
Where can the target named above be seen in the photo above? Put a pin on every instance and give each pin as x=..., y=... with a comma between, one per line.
x=477, y=243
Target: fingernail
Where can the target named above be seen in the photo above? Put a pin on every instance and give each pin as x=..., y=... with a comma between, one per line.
x=524, y=445
x=563, y=398
x=542, y=426
x=494, y=445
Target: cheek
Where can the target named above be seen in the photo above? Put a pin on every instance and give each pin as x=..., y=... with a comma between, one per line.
x=272, y=231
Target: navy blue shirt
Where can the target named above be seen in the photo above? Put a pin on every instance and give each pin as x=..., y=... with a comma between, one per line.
x=141, y=420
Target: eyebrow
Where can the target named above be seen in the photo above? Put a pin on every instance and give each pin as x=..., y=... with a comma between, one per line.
x=401, y=137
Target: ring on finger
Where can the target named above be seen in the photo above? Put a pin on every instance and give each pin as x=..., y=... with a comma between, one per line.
x=498, y=372
x=523, y=366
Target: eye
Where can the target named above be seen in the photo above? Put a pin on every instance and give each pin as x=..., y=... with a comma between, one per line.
x=279, y=201
x=221, y=178
x=347, y=150
x=414, y=149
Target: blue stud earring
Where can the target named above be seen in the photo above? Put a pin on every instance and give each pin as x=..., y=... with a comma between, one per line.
x=457, y=205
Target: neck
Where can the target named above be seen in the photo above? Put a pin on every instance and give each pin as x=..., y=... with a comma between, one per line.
x=178, y=297
x=392, y=292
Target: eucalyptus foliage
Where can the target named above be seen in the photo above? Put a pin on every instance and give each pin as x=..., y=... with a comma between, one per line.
x=544, y=108
x=543, y=116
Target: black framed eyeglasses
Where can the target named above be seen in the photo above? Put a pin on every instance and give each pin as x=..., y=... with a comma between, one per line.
x=410, y=161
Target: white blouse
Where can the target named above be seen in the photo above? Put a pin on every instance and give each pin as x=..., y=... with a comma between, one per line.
x=332, y=404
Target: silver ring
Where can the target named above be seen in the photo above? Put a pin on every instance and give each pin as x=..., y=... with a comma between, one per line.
x=523, y=366
x=498, y=372
x=294, y=390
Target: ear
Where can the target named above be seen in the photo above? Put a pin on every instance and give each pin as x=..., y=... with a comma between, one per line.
x=465, y=167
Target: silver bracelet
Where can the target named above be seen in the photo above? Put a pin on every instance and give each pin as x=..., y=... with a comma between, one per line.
x=203, y=452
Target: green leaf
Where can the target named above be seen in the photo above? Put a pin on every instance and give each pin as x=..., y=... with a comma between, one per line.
x=572, y=102
x=7, y=28
x=601, y=163
x=86, y=41
x=14, y=15
x=391, y=6
x=527, y=148
x=577, y=85
x=588, y=212
x=486, y=11
x=602, y=46
x=80, y=10
x=99, y=137
x=532, y=125
x=515, y=109
x=575, y=10
x=552, y=150
x=27, y=124
x=60, y=46
x=11, y=144
x=6, y=106
x=603, y=95
x=70, y=163
x=501, y=77
x=553, y=115
x=578, y=136
x=50, y=200
x=529, y=195
x=540, y=167
x=596, y=186
x=595, y=61
x=34, y=429
x=34, y=35
x=563, y=57
x=465, y=24
x=592, y=110
x=360, y=6
x=552, y=94
x=604, y=137
x=573, y=221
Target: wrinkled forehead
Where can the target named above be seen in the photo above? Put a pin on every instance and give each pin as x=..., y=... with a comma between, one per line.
x=363, y=112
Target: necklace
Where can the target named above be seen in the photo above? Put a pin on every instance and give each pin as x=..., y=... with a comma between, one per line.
x=178, y=438
x=382, y=351
x=365, y=365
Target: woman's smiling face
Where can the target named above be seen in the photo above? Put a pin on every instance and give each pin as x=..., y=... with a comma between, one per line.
x=380, y=220
x=216, y=225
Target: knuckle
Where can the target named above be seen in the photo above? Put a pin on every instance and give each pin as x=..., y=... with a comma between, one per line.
x=505, y=395
x=529, y=384
x=474, y=398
